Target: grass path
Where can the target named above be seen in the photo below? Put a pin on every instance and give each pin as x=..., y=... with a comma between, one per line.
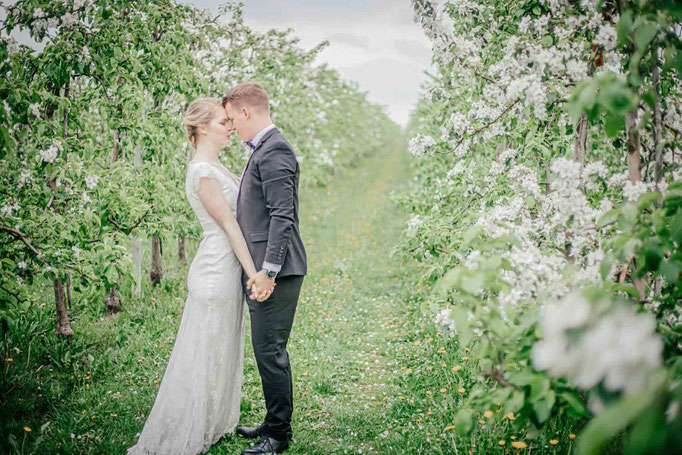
x=341, y=357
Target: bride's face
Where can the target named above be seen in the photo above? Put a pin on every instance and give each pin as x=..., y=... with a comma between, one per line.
x=217, y=130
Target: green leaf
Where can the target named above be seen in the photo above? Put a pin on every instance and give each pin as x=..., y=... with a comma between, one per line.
x=614, y=124
x=644, y=34
x=623, y=28
x=576, y=404
x=676, y=227
x=606, y=263
x=464, y=422
x=473, y=282
x=616, y=418
x=609, y=217
x=648, y=199
x=516, y=401
x=671, y=271
x=628, y=289
x=543, y=406
x=461, y=317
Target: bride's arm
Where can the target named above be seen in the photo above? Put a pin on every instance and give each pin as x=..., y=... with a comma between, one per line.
x=215, y=204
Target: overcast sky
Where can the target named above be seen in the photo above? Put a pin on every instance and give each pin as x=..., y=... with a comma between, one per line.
x=374, y=42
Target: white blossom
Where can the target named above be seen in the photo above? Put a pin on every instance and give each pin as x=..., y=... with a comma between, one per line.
x=632, y=191
x=443, y=318
x=618, y=348
x=21, y=265
x=606, y=37
x=420, y=145
x=91, y=181
x=49, y=155
x=413, y=224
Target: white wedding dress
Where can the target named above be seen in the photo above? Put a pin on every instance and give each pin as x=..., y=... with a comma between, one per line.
x=199, y=397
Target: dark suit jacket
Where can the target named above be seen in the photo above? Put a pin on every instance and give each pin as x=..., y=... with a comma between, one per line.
x=267, y=206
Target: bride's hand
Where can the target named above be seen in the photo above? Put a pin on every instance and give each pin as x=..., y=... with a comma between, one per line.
x=260, y=294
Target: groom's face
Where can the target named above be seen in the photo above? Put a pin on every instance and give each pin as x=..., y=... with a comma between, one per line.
x=238, y=120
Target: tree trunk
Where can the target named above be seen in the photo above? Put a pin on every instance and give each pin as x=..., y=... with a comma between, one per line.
x=182, y=256
x=658, y=142
x=63, y=324
x=136, y=244
x=68, y=290
x=580, y=146
x=658, y=122
x=156, y=273
x=113, y=301
x=136, y=252
x=633, y=146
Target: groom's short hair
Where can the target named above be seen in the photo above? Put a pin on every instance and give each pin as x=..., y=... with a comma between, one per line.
x=248, y=94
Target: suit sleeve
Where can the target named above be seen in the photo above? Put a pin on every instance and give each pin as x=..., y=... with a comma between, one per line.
x=278, y=170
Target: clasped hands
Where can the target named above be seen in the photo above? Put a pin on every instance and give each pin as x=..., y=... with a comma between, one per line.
x=260, y=286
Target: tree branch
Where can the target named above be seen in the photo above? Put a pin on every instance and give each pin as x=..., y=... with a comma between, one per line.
x=21, y=236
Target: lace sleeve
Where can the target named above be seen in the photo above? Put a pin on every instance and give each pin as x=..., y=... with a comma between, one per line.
x=203, y=170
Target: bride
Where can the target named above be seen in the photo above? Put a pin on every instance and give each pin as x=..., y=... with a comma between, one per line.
x=199, y=397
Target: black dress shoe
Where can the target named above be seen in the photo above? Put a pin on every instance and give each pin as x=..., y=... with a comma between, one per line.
x=255, y=432
x=267, y=445
x=250, y=432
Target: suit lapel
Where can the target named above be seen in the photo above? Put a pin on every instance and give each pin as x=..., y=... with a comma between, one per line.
x=266, y=136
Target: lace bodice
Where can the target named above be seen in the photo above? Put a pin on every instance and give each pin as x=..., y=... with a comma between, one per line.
x=229, y=184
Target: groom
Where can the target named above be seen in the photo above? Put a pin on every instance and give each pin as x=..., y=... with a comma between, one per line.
x=267, y=213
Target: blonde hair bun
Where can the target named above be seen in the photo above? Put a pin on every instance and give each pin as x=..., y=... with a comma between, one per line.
x=199, y=112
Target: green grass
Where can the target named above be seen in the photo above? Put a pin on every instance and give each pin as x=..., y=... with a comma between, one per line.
x=360, y=376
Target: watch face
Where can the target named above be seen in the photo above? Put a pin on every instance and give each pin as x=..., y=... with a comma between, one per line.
x=272, y=274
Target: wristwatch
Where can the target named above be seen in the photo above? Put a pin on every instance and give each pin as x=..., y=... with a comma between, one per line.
x=270, y=273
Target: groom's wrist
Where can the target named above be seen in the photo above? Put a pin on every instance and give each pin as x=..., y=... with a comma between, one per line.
x=271, y=270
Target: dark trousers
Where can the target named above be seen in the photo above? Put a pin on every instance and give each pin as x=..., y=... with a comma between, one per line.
x=271, y=322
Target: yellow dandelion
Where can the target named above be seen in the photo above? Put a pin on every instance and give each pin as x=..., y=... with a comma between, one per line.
x=9, y=359
x=465, y=358
x=441, y=350
x=488, y=414
x=510, y=415
x=449, y=428
x=501, y=442
x=429, y=368
x=461, y=390
x=481, y=421
x=443, y=390
x=519, y=445
x=513, y=437
x=457, y=368
x=571, y=436
x=408, y=371
x=428, y=392
x=27, y=429
x=554, y=442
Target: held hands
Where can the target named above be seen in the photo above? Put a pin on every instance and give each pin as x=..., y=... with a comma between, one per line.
x=260, y=286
